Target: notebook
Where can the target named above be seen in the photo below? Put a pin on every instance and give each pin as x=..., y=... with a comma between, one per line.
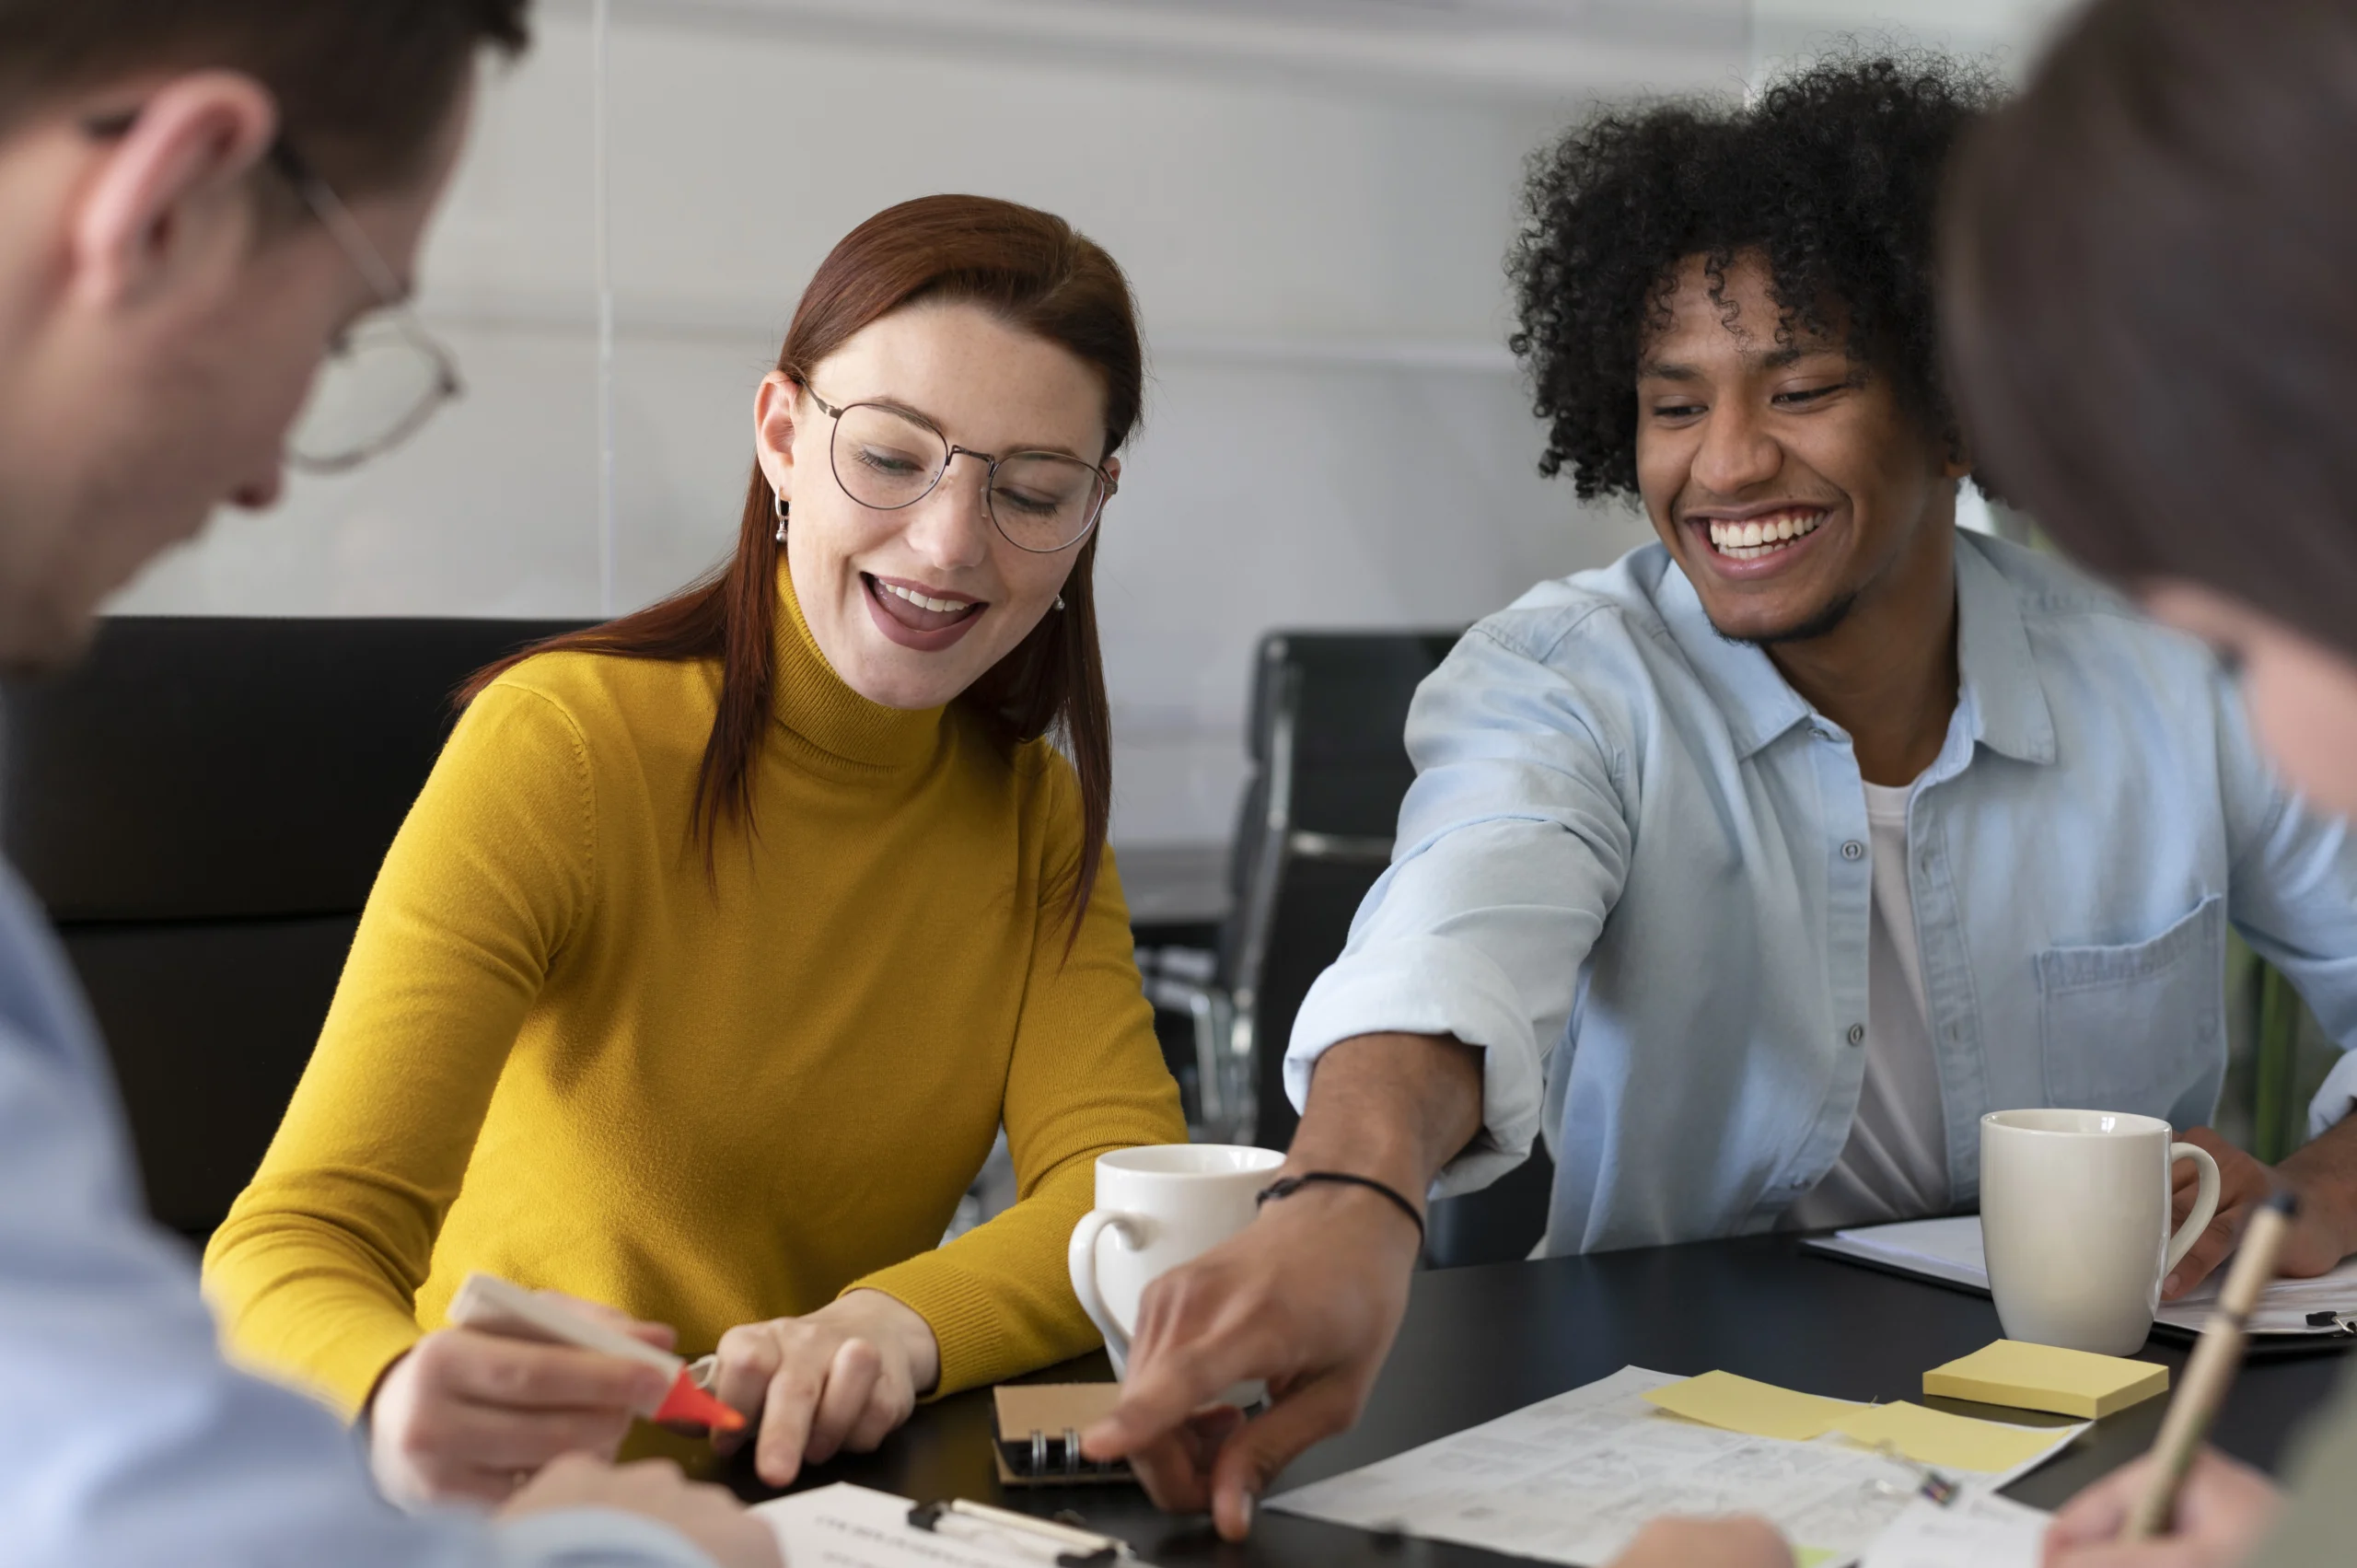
x=1949, y=1251
x=1038, y=1440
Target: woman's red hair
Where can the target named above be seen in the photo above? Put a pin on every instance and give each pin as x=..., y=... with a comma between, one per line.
x=1030, y=270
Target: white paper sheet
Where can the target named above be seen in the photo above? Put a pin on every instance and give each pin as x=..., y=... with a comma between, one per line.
x=1950, y=1250
x=1979, y=1531
x=851, y=1526
x=1572, y=1478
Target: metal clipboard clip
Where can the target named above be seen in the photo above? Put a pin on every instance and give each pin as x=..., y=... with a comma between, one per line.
x=1943, y=1491
x=2346, y=1322
x=1067, y=1546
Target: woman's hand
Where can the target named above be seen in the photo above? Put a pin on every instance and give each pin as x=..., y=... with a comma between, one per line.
x=2223, y=1509
x=471, y=1414
x=653, y=1488
x=842, y=1378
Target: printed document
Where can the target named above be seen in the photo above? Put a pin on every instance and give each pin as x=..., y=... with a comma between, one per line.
x=1980, y=1530
x=1572, y=1480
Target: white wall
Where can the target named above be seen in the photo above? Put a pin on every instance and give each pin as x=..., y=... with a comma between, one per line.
x=2006, y=30
x=1312, y=199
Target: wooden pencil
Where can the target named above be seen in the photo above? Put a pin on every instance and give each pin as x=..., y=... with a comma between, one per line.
x=2211, y=1371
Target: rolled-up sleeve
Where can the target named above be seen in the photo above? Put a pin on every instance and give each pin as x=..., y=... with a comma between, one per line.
x=1514, y=844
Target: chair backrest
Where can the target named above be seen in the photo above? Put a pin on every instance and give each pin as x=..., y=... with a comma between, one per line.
x=1330, y=713
x=201, y=804
x=1329, y=710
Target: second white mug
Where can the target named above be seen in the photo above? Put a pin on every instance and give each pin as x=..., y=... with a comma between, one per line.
x=1157, y=1206
x=2074, y=1222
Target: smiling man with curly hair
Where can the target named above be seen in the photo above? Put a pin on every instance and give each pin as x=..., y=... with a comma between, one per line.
x=1689, y=249
x=1756, y=867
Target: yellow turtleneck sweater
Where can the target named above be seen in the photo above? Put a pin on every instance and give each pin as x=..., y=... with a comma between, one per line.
x=558, y=1053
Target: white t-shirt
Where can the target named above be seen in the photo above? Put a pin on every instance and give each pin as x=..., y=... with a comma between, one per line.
x=1895, y=1165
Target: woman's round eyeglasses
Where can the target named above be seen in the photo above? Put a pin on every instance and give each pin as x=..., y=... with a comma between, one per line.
x=887, y=457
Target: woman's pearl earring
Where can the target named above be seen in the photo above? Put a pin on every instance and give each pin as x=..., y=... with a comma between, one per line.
x=1060, y=601
x=780, y=516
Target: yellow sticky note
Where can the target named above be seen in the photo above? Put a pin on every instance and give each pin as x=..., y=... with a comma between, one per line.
x=1739, y=1404
x=2047, y=1377
x=1944, y=1441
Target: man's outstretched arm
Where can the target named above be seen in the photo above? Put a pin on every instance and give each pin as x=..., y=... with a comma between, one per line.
x=1308, y=1298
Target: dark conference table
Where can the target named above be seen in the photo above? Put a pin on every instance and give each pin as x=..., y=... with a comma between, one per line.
x=1480, y=1342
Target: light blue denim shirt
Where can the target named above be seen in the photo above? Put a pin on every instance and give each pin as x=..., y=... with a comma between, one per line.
x=1634, y=869
x=127, y=1443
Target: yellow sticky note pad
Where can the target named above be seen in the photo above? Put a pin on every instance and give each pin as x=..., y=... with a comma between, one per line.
x=1739, y=1404
x=2047, y=1377
x=1944, y=1441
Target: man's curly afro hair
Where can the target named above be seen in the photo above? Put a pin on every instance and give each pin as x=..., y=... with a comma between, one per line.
x=1832, y=174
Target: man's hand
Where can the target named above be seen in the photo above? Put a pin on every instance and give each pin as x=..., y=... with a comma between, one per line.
x=2317, y=1240
x=2223, y=1509
x=1707, y=1543
x=1307, y=1298
x=707, y=1516
x=844, y=1376
x=471, y=1415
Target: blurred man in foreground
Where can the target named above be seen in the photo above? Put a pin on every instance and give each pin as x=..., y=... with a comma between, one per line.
x=198, y=200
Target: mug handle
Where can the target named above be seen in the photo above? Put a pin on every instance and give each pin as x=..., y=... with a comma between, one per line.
x=1081, y=1261
x=2205, y=1203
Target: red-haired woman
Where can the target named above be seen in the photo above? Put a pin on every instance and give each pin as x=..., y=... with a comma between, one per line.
x=724, y=937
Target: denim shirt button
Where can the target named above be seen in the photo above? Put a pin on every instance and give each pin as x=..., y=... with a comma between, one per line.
x=1854, y=850
x=1857, y=1034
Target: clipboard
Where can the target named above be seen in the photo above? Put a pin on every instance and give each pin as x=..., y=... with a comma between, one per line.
x=853, y=1527
x=1036, y=1440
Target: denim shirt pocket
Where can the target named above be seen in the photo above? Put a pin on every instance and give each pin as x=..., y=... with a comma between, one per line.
x=2136, y=1027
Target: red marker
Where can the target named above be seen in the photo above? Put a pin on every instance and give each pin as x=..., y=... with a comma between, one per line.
x=498, y=1306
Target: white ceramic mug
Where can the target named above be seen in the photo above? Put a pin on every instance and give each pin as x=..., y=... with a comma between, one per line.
x=1157, y=1206
x=2074, y=1222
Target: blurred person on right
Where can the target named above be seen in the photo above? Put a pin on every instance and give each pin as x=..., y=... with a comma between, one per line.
x=2152, y=334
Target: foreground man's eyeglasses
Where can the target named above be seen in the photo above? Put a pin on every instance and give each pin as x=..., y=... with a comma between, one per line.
x=384, y=377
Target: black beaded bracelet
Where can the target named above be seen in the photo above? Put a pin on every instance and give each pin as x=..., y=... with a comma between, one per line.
x=1286, y=1187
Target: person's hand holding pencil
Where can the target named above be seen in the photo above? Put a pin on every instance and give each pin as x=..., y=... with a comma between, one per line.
x=2223, y=1508
x=2183, y=1506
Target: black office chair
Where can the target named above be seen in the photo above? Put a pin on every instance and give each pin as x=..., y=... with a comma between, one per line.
x=1501, y=1223
x=1314, y=828
x=1331, y=767
x=202, y=804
